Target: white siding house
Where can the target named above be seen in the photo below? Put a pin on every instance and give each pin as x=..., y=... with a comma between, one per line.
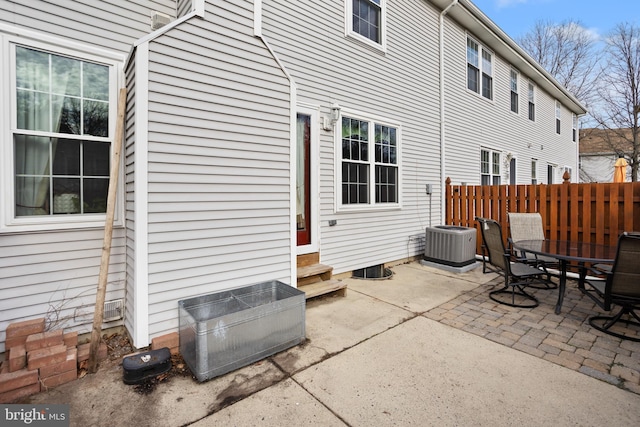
x=244, y=119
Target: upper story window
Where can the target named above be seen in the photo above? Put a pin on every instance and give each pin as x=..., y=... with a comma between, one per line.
x=514, y=91
x=60, y=137
x=366, y=21
x=558, y=113
x=369, y=163
x=479, y=69
x=574, y=125
x=489, y=167
x=532, y=102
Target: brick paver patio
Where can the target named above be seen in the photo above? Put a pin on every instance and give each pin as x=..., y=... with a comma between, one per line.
x=566, y=339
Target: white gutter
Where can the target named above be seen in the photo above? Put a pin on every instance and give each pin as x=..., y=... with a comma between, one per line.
x=442, y=115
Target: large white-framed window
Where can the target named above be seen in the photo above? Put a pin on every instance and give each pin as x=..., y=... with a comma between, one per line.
x=531, y=96
x=574, y=127
x=489, y=167
x=369, y=163
x=558, y=115
x=514, y=90
x=479, y=69
x=57, y=149
x=366, y=21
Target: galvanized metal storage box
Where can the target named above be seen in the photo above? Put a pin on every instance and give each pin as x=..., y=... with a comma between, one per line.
x=226, y=330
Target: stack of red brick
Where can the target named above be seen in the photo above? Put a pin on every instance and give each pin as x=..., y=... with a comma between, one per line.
x=36, y=360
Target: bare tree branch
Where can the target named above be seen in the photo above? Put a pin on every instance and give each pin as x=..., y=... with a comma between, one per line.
x=568, y=52
x=619, y=93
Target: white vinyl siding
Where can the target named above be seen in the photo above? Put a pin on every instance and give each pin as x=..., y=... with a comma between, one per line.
x=54, y=274
x=218, y=159
x=472, y=123
x=108, y=24
x=366, y=85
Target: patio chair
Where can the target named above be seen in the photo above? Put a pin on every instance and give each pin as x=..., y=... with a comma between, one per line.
x=620, y=287
x=517, y=275
x=528, y=226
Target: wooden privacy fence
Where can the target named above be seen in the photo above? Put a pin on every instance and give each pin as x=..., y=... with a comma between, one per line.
x=590, y=212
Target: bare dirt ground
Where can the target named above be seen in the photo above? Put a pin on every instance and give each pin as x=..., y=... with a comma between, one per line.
x=119, y=346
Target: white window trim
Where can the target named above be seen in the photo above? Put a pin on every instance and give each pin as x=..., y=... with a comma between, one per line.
x=534, y=171
x=314, y=112
x=517, y=91
x=575, y=135
x=557, y=124
x=8, y=222
x=532, y=85
x=348, y=26
x=481, y=48
x=339, y=207
x=499, y=163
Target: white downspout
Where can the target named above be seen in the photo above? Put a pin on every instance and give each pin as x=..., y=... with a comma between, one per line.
x=293, y=90
x=443, y=175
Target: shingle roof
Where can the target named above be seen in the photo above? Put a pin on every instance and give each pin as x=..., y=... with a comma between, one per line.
x=604, y=141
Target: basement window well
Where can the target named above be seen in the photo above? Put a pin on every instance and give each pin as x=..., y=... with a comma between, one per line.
x=376, y=272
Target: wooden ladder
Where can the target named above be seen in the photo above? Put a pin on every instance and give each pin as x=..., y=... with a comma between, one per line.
x=314, y=279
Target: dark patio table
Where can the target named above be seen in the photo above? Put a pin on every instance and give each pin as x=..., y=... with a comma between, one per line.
x=567, y=251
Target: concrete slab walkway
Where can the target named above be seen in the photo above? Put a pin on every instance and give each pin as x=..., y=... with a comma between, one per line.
x=379, y=356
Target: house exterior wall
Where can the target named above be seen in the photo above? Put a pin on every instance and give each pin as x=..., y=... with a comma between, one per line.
x=401, y=84
x=328, y=67
x=474, y=122
x=208, y=192
x=218, y=161
x=599, y=167
x=53, y=273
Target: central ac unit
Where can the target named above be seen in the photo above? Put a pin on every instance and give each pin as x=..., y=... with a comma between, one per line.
x=450, y=245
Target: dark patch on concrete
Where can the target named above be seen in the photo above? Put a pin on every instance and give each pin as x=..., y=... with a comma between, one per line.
x=242, y=387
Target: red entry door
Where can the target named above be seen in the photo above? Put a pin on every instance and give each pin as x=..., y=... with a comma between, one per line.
x=303, y=179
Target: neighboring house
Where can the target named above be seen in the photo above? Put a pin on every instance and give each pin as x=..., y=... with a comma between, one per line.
x=599, y=151
x=255, y=131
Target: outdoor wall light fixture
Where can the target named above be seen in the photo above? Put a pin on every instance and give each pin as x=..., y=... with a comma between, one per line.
x=335, y=113
x=329, y=122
